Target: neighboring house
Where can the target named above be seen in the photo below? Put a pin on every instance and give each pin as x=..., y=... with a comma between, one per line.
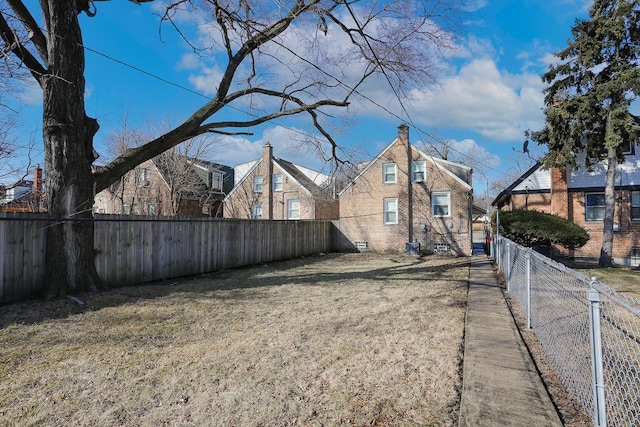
x=273, y=188
x=172, y=185
x=578, y=195
x=25, y=195
x=407, y=196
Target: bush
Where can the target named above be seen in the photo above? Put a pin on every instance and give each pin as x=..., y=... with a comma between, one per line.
x=531, y=228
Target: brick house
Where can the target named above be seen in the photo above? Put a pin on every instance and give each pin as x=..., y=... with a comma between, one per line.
x=273, y=188
x=578, y=195
x=25, y=195
x=170, y=186
x=407, y=196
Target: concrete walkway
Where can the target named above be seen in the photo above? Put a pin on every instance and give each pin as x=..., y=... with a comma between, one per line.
x=501, y=386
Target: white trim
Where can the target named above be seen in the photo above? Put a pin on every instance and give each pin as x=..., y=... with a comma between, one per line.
x=385, y=210
x=384, y=173
x=423, y=171
x=440, y=193
x=289, y=203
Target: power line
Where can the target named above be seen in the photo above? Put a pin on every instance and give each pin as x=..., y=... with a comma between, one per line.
x=336, y=79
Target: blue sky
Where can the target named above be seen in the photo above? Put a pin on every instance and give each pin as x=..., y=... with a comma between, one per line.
x=488, y=93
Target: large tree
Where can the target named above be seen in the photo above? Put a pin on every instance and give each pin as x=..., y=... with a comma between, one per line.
x=285, y=58
x=588, y=97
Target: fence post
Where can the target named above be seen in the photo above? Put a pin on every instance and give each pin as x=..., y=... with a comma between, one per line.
x=496, y=238
x=508, y=267
x=528, y=268
x=596, y=356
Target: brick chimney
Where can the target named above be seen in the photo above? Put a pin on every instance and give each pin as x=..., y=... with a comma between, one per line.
x=403, y=133
x=404, y=177
x=267, y=185
x=37, y=187
x=559, y=192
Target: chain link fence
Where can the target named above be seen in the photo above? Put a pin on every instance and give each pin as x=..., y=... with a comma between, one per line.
x=589, y=333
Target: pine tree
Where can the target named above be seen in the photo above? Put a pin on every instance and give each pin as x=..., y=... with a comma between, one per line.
x=588, y=97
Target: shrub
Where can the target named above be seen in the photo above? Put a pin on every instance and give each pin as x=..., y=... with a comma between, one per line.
x=531, y=228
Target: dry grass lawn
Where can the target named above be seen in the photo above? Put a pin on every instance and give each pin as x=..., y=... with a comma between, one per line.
x=349, y=339
x=624, y=280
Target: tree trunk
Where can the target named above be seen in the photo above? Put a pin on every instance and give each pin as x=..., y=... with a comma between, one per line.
x=68, y=140
x=606, y=252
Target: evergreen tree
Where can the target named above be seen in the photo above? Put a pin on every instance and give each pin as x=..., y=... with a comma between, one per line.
x=588, y=97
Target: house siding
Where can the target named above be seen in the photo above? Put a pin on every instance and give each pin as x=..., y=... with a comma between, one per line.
x=566, y=198
x=362, y=205
x=313, y=204
x=157, y=193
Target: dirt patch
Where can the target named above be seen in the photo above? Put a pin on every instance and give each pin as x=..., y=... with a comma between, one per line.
x=354, y=339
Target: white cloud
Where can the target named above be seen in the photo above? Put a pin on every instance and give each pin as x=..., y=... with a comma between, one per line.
x=207, y=79
x=480, y=98
x=468, y=151
x=473, y=5
x=188, y=61
x=30, y=94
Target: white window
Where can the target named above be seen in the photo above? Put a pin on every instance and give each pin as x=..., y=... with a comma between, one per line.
x=635, y=205
x=293, y=209
x=390, y=211
x=216, y=181
x=277, y=182
x=143, y=177
x=256, y=212
x=151, y=209
x=594, y=206
x=440, y=204
x=418, y=171
x=126, y=209
x=257, y=183
x=389, y=173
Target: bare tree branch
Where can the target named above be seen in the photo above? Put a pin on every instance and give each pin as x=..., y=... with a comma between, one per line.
x=15, y=46
x=35, y=33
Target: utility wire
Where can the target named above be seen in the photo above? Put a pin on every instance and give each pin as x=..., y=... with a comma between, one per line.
x=328, y=74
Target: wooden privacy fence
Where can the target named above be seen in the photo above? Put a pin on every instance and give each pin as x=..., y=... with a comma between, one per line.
x=132, y=250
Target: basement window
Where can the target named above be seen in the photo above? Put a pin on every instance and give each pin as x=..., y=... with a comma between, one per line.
x=362, y=246
x=441, y=247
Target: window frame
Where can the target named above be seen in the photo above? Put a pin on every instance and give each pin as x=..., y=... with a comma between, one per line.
x=385, y=173
x=143, y=177
x=434, y=195
x=278, y=182
x=590, y=208
x=632, y=206
x=414, y=171
x=254, y=211
x=387, y=210
x=217, y=181
x=290, y=209
x=258, y=183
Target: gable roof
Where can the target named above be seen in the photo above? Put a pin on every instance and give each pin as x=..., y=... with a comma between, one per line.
x=294, y=172
x=535, y=179
x=197, y=174
x=311, y=181
x=445, y=166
